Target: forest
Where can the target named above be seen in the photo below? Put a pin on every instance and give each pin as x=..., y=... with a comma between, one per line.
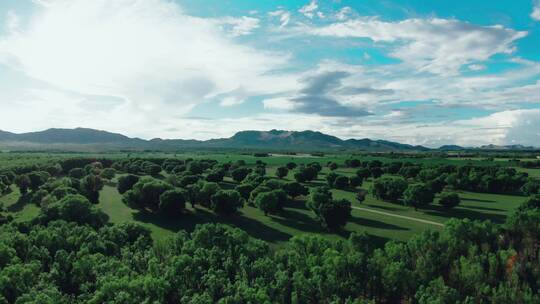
x=59, y=242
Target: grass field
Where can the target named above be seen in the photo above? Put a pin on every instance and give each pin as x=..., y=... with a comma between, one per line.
x=380, y=219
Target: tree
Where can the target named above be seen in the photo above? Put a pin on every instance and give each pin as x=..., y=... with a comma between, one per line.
x=207, y=190
x=172, y=202
x=295, y=189
x=332, y=166
x=355, y=181
x=331, y=178
x=38, y=178
x=300, y=177
x=108, y=173
x=532, y=203
x=90, y=187
x=332, y=214
x=126, y=182
x=363, y=173
x=281, y=172
x=361, y=195
x=152, y=169
x=388, y=188
x=239, y=174
x=226, y=202
x=449, y=200
x=291, y=165
x=244, y=190
x=376, y=172
x=341, y=182
x=352, y=163
x=267, y=202
x=76, y=173
x=532, y=187
x=145, y=194
x=216, y=176
x=74, y=208
x=418, y=196
x=23, y=182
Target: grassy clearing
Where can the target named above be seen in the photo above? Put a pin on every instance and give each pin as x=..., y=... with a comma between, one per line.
x=296, y=218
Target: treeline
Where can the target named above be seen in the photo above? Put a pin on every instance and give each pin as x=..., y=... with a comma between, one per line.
x=488, y=179
x=71, y=254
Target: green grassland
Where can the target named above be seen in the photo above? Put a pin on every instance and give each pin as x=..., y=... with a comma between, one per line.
x=377, y=218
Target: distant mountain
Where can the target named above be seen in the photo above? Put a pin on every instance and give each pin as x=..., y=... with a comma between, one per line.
x=451, y=148
x=83, y=139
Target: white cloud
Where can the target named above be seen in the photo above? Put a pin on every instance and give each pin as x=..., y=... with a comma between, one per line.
x=309, y=9
x=476, y=67
x=343, y=13
x=535, y=14
x=12, y=22
x=439, y=46
x=284, y=17
x=231, y=101
x=278, y=103
x=148, y=53
x=240, y=26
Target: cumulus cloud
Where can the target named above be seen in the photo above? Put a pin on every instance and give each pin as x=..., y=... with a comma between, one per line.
x=283, y=15
x=535, y=14
x=148, y=53
x=439, y=46
x=309, y=9
x=240, y=26
x=324, y=94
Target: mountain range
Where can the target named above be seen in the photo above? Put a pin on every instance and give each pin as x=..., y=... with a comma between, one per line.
x=83, y=139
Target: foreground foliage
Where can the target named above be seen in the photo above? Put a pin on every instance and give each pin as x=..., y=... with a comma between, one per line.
x=70, y=254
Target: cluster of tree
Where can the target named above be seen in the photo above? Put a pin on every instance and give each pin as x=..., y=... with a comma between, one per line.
x=307, y=173
x=489, y=179
x=530, y=164
x=7, y=178
x=415, y=194
x=70, y=254
x=337, y=181
x=332, y=214
x=45, y=187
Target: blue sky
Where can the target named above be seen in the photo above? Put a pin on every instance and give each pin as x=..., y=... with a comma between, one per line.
x=418, y=72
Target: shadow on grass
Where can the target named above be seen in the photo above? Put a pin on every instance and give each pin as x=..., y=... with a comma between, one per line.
x=375, y=224
x=189, y=220
x=478, y=200
x=21, y=202
x=296, y=204
x=462, y=213
x=298, y=220
x=383, y=207
x=483, y=208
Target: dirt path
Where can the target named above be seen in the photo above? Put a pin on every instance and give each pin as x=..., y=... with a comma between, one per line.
x=399, y=216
